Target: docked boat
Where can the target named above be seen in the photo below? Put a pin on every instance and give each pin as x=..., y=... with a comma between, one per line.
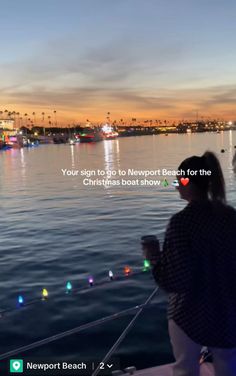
x=74, y=140
x=15, y=141
x=91, y=135
x=11, y=141
x=71, y=142
x=29, y=142
x=109, y=133
x=4, y=146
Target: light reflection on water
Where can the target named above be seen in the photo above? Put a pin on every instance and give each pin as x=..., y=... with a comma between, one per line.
x=54, y=229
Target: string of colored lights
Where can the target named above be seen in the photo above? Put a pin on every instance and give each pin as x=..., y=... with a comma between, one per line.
x=69, y=288
x=75, y=330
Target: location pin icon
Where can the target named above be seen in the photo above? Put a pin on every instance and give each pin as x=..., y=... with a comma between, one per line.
x=16, y=365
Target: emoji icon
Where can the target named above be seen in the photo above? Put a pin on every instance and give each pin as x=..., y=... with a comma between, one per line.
x=175, y=183
x=184, y=181
x=165, y=183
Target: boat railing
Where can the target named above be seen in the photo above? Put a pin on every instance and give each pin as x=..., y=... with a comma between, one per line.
x=81, y=328
x=125, y=332
x=137, y=309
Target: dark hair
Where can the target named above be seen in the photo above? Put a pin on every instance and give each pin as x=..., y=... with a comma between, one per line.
x=213, y=186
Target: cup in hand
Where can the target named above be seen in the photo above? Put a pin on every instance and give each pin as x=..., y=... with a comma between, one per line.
x=151, y=247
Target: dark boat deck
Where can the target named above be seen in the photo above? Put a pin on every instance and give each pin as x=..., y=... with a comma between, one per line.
x=166, y=370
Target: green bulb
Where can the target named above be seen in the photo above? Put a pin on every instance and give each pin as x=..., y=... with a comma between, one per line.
x=146, y=264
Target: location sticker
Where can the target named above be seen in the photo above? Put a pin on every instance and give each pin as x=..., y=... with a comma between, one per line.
x=16, y=366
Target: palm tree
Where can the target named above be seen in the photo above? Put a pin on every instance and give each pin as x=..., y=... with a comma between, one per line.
x=108, y=117
x=43, y=113
x=25, y=115
x=55, y=117
x=18, y=121
x=13, y=114
x=49, y=120
x=34, y=115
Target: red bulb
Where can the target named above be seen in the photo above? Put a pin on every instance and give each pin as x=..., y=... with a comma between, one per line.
x=127, y=270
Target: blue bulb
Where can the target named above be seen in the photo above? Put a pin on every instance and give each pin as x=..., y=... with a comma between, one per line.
x=69, y=286
x=20, y=299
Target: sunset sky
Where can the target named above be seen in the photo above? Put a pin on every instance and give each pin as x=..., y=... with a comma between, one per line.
x=159, y=59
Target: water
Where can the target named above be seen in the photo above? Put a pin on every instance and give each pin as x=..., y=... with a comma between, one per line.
x=54, y=229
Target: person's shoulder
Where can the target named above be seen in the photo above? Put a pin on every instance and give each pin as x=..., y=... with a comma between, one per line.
x=199, y=209
x=181, y=216
x=191, y=212
x=230, y=208
x=220, y=211
x=224, y=208
x=230, y=213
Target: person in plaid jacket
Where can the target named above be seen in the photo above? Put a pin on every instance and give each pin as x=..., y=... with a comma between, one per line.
x=197, y=267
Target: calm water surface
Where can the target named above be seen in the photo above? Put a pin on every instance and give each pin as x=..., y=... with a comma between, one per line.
x=55, y=229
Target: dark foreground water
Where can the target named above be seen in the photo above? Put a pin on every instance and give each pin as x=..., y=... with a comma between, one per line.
x=55, y=229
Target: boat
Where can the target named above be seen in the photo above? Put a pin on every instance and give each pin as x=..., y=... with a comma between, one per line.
x=74, y=140
x=15, y=141
x=71, y=142
x=29, y=142
x=4, y=146
x=91, y=135
x=205, y=355
x=109, y=133
x=11, y=141
x=206, y=369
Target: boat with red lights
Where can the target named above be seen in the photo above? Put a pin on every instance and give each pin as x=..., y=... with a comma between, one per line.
x=91, y=135
x=109, y=133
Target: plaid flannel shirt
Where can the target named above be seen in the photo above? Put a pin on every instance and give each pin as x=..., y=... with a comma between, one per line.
x=197, y=267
